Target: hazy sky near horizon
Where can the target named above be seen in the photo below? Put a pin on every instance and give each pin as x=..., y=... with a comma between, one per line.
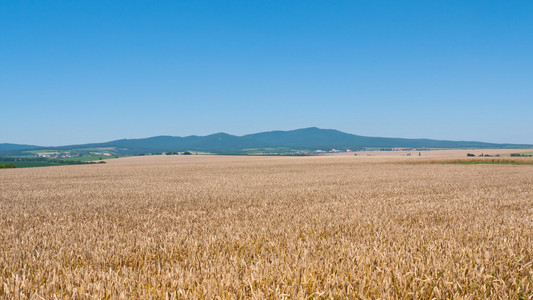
x=93, y=71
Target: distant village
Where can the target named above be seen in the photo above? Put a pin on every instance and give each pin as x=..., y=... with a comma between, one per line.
x=70, y=154
x=89, y=153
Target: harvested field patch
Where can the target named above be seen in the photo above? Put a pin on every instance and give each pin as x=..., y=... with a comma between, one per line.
x=470, y=161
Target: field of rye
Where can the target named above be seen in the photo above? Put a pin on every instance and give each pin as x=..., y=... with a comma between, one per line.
x=193, y=227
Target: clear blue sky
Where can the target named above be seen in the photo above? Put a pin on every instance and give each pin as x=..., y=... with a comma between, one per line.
x=91, y=71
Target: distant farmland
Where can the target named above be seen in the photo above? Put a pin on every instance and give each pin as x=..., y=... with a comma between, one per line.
x=267, y=227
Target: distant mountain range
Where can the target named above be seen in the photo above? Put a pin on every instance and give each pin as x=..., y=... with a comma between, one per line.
x=15, y=147
x=273, y=141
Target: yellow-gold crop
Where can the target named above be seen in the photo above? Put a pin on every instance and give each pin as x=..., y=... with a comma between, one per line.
x=232, y=227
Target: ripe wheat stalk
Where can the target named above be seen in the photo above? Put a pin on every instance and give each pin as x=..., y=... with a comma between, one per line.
x=266, y=227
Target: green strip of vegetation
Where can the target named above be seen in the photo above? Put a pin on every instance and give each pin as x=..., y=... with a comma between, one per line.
x=30, y=162
x=7, y=166
x=488, y=163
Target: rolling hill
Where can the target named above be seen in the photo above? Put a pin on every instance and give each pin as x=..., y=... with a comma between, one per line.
x=15, y=147
x=274, y=141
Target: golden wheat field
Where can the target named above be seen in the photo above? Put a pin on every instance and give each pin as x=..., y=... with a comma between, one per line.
x=208, y=227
